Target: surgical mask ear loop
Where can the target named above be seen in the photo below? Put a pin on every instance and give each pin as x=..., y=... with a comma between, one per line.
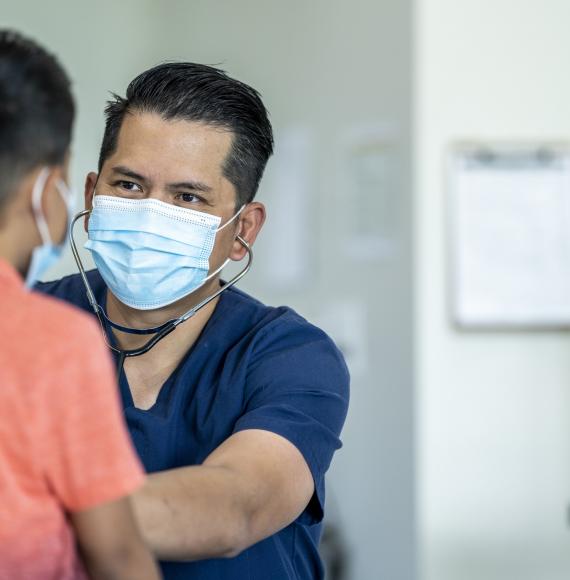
x=226, y=262
x=68, y=197
x=232, y=218
x=37, y=194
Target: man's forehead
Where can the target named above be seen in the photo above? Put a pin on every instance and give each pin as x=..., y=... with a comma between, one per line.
x=175, y=147
x=155, y=127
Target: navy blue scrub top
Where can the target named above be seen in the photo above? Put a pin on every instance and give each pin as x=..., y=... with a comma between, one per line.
x=253, y=367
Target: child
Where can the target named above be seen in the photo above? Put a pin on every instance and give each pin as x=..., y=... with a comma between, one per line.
x=67, y=466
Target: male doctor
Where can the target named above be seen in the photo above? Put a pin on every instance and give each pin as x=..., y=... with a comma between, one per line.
x=237, y=412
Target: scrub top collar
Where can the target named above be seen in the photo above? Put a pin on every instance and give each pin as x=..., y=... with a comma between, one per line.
x=212, y=321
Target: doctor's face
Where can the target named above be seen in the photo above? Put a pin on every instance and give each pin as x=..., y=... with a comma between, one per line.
x=177, y=162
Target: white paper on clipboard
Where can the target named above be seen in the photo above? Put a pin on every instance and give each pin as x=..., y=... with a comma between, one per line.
x=510, y=237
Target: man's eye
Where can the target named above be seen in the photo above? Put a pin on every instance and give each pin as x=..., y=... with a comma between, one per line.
x=128, y=185
x=188, y=198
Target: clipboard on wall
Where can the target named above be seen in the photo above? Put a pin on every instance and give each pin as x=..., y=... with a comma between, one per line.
x=509, y=236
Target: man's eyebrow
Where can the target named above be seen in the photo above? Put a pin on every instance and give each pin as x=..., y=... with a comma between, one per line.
x=128, y=173
x=193, y=185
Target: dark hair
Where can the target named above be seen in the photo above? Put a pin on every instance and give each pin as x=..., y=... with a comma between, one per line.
x=36, y=109
x=197, y=92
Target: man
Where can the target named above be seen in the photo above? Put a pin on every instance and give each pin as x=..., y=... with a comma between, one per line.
x=66, y=463
x=238, y=410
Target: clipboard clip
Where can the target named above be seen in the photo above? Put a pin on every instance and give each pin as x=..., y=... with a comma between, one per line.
x=515, y=158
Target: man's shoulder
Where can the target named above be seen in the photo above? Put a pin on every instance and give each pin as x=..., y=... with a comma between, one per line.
x=280, y=328
x=261, y=317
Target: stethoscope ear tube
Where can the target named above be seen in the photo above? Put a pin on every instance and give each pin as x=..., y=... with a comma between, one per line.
x=90, y=295
x=160, y=331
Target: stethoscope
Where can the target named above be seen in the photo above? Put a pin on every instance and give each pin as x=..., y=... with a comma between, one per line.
x=160, y=331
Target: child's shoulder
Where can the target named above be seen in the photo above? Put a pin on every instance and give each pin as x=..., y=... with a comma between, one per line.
x=50, y=329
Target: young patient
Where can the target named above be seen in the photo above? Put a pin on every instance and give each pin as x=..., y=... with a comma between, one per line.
x=67, y=466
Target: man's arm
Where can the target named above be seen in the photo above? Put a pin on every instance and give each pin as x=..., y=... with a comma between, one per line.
x=111, y=545
x=250, y=487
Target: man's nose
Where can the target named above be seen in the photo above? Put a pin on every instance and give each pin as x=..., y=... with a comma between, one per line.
x=159, y=193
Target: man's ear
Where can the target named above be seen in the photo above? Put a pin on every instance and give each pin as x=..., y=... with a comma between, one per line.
x=250, y=222
x=90, y=183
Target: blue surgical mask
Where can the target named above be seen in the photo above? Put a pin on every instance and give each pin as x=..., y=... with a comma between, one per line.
x=150, y=253
x=46, y=255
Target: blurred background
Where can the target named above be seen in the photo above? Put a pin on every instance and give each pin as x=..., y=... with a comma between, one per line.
x=456, y=457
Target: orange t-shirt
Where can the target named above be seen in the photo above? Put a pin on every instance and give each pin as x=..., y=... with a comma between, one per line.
x=63, y=442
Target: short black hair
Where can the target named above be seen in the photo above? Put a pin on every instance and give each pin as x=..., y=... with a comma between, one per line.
x=198, y=92
x=36, y=110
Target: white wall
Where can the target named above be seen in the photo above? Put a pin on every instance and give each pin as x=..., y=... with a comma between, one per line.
x=493, y=408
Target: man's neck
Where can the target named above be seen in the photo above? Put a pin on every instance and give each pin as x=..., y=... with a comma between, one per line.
x=180, y=339
x=146, y=374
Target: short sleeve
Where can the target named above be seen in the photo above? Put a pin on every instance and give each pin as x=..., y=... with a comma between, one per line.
x=298, y=387
x=88, y=456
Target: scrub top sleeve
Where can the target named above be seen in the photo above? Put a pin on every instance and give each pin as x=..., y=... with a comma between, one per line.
x=89, y=458
x=298, y=388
